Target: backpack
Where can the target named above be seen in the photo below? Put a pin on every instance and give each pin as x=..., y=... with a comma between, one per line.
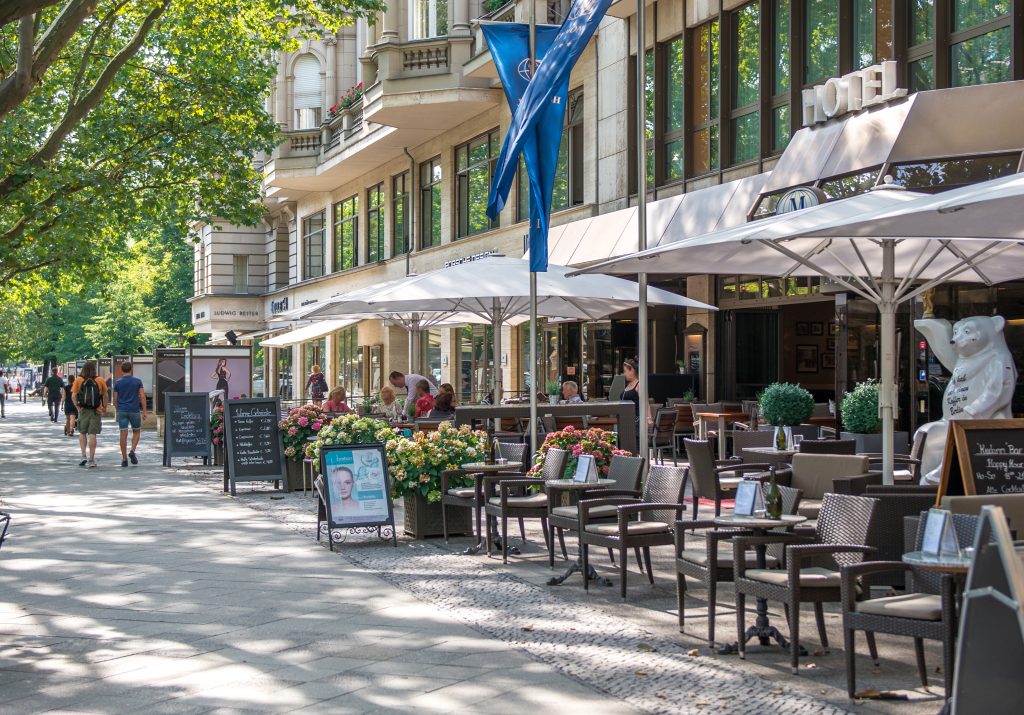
x=89, y=395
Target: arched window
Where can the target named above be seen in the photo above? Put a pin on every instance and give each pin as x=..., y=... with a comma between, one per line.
x=306, y=92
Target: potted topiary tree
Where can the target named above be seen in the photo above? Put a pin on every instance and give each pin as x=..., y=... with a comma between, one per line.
x=861, y=421
x=783, y=405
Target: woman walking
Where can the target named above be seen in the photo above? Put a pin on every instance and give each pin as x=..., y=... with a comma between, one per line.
x=70, y=411
x=316, y=385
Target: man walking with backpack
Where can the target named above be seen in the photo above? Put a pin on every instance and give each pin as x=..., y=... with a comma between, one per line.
x=130, y=401
x=90, y=396
x=53, y=389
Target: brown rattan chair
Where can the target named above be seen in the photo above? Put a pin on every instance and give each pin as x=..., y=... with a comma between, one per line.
x=928, y=610
x=828, y=446
x=516, y=500
x=625, y=471
x=662, y=437
x=684, y=425
x=895, y=502
x=706, y=475
x=713, y=563
x=841, y=533
x=640, y=523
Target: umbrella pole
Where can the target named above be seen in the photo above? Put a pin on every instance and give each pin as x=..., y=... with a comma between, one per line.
x=496, y=378
x=641, y=223
x=887, y=330
x=533, y=362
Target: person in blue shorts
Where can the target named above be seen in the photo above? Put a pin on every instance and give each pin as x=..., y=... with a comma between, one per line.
x=130, y=401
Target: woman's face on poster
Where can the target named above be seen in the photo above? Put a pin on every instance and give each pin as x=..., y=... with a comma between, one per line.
x=343, y=479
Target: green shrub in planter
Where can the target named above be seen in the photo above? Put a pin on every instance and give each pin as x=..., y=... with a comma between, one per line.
x=859, y=409
x=783, y=403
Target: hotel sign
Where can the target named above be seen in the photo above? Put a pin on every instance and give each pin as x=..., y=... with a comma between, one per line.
x=850, y=93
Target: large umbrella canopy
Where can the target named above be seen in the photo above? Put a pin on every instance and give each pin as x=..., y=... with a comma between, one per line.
x=886, y=245
x=496, y=290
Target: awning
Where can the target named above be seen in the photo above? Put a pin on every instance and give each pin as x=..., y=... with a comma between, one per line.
x=307, y=332
x=614, y=234
x=257, y=334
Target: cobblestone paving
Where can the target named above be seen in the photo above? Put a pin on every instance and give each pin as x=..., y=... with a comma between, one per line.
x=611, y=653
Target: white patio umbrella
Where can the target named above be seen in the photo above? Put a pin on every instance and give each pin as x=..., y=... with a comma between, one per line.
x=496, y=290
x=886, y=246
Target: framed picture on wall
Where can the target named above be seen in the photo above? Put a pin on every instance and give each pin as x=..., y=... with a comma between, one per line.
x=817, y=328
x=833, y=328
x=828, y=361
x=830, y=345
x=806, y=358
x=803, y=328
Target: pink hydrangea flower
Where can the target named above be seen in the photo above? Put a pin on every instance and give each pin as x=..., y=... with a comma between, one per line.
x=317, y=425
x=292, y=431
x=303, y=421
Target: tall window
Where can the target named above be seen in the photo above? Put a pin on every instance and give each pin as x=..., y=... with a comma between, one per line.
x=350, y=362
x=568, y=184
x=313, y=246
x=922, y=45
x=240, y=274
x=780, y=76
x=821, y=40
x=980, y=43
x=400, y=214
x=746, y=85
x=704, y=130
x=673, y=91
x=306, y=92
x=429, y=18
x=346, y=233
x=474, y=165
x=375, y=224
x=430, y=203
x=284, y=372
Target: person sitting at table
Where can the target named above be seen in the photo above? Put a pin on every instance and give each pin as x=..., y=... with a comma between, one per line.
x=570, y=393
x=336, y=401
x=447, y=387
x=424, y=401
x=390, y=406
x=443, y=407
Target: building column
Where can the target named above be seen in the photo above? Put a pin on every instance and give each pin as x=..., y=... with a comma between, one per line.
x=281, y=103
x=368, y=73
x=390, y=25
x=459, y=21
x=331, y=76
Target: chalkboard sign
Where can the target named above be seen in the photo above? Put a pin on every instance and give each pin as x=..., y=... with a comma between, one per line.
x=254, y=449
x=186, y=425
x=983, y=457
x=354, y=488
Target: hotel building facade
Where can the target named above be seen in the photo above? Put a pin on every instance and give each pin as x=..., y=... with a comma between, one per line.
x=391, y=130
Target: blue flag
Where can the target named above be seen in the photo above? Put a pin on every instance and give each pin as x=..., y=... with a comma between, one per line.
x=530, y=115
x=509, y=43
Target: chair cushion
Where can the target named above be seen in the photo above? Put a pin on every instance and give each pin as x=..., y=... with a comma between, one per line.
x=919, y=606
x=635, y=528
x=809, y=508
x=725, y=553
x=597, y=512
x=534, y=500
x=814, y=473
x=810, y=577
x=463, y=492
x=728, y=482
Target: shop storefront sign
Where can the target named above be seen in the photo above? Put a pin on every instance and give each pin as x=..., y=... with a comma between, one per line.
x=468, y=259
x=852, y=92
x=279, y=306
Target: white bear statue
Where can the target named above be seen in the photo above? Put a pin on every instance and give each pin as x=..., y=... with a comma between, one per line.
x=981, y=386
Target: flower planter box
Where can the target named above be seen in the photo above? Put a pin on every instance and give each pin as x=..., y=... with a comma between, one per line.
x=294, y=483
x=423, y=519
x=218, y=455
x=867, y=443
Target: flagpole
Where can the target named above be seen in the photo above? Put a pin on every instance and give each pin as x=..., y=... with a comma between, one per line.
x=533, y=274
x=641, y=222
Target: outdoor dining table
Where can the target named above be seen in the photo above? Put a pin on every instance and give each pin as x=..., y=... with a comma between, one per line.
x=555, y=488
x=723, y=417
x=479, y=470
x=760, y=526
x=770, y=455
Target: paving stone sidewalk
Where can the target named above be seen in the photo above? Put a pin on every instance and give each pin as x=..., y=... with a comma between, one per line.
x=256, y=608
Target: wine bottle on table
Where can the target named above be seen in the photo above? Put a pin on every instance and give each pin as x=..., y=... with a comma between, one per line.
x=772, y=497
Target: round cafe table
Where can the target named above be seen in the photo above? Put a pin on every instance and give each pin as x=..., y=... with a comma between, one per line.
x=760, y=526
x=555, y=488
x=479, y=470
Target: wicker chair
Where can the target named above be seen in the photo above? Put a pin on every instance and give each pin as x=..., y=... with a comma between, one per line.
x=713, y=563
x=841, y=533
x=515, y=500
x=684, y=425
x=625, y=471
x=705, y=474
x=927, y=611
x=514, y=452
x=894, y=503
x=640, y=523
x=828, y=446
x=5, y=520
x=744, y=439
x=662, y=437
x=455, y=493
